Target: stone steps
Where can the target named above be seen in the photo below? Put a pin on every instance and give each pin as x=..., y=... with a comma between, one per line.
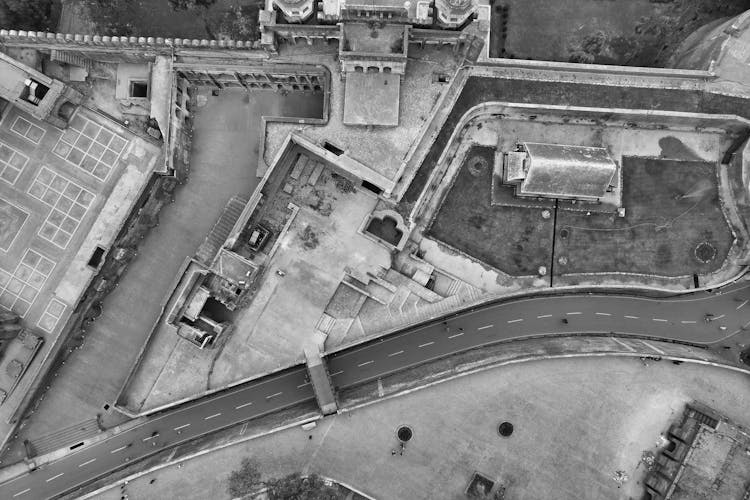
x=219, y=233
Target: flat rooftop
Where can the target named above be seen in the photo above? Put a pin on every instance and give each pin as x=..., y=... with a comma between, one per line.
x=372, y=99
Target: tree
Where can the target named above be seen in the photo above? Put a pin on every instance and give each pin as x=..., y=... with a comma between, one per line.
x=190, y=4
x=27, y=14
x=244, y=480
x=298, y=487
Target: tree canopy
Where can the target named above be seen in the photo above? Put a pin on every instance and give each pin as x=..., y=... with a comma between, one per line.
x=244, y=480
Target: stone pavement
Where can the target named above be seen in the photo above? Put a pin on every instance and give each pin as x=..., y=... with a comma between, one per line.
x=576, y=422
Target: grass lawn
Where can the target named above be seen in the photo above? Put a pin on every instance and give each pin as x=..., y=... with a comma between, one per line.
x=671, y=208
x=514, y=240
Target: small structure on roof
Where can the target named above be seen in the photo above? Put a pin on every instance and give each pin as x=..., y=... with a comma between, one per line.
x=559, y=171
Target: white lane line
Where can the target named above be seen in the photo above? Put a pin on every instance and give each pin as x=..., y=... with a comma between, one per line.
x=515, y=320
x=274, y=395
x=425, y=345
x=741, y=305
x=652, y=347
x=21, y=492
x=544, y=316
x=150, y=437
x=242, y=405
x=211, y=416
x=626, y=346
x=119, y=449
x=303, y=385
x=631, y=317
x=88, y=462
x=456, y=335
x=660, y=320
x=54, y=477
x=365, y=363
x=484, y=327
x=395, y=353
x=181, y=427
x=603, y=314
x=573, y=313
x=337, y=373
x=688, y=322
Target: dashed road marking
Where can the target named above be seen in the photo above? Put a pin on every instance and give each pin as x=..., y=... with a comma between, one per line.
x=515, y=320
x=485, y=327
x=181, y=427
x=718, y=317
x=337, y=373
x=574, y=313
x=87, y=462
x=395, y=353
x=54, y=477
x=660, y=320
x=150, y=437
x=688, y=322
x=631, y=317
x=274, y=395
x=425, y=345
x=212, y=416
x=119, y=449
x=243, y=405
x=365, y=363
x=456, y=335
x=303, y=385
x=603, y=314
x=544, y=316
x=741, y=305
x=21, y=492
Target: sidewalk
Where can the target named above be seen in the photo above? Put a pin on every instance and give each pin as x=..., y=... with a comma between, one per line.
x=572, y=427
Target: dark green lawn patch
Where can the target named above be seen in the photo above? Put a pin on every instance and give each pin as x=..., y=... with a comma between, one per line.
x=673, y=225
x=512, y=239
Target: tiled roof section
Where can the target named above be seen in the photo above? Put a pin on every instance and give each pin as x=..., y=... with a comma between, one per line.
x=568, y=171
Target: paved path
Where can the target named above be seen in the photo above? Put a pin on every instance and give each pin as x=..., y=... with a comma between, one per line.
x=679, y=318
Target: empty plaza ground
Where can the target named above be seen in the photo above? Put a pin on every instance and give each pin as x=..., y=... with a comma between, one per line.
x=513, y=239
x=576, y=422
x=223, y=164
x=671, y=207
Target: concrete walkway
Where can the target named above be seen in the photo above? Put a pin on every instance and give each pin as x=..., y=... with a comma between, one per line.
x=576, y=422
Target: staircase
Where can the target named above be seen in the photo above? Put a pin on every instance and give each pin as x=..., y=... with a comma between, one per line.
x=220, y=232
x=70, y=58
x=66, y=437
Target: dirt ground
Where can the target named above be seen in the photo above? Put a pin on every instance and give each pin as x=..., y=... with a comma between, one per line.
x=576, y=422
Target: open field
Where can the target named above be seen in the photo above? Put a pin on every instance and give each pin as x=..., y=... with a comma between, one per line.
x=672, y=207
x=513, y=239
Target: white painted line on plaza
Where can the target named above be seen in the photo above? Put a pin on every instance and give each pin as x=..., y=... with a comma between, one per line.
x=741, y=305
x=544, y=316
x=54, y=477
x=626, y=346
x=88, y=462
x=274, y=395
x=603, y=314
x=212, y=416
x=119, y=449
x=631, y=317
x=688, y=322
x=425, y=345
x=652, y=347
x=515, y=320
x=660, y=320
x=485, y=327
x=337, y=373
x=365, y=363
x=242, y=405
x=573, y=313
x=181, y=427
x=456, y=335
x=22, y=492
x=395, y=353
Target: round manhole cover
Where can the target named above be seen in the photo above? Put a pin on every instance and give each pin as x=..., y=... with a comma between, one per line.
x=705, y=252
x=404, y=433
x=505, y=429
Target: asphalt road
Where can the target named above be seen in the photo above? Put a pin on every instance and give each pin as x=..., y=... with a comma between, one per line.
x=682, y=318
